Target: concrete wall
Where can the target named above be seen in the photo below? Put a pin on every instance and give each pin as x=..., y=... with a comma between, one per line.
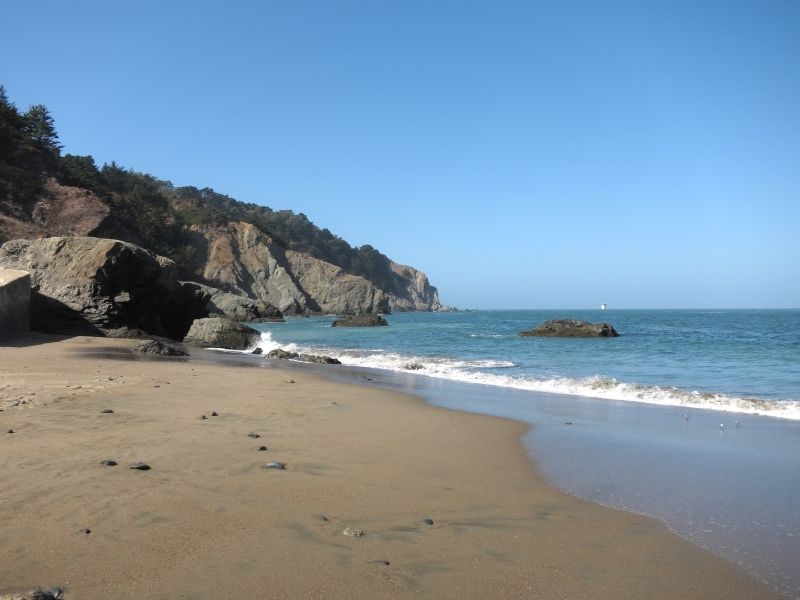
x=15, y=301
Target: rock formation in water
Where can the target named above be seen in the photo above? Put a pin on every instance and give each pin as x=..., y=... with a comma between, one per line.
x=372, y=320
x=570, y=328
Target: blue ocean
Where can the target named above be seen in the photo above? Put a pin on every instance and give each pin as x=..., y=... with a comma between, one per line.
x=745, y=361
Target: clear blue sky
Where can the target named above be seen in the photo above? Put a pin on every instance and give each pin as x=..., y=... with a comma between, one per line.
x=523, y=154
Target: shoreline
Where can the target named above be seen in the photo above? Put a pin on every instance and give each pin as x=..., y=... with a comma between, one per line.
x=211, y=523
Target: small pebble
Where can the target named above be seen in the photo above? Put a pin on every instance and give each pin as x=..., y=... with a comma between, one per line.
x=85, y=531
x=10, y=431
x=262, y=448
x=106, y=411
x=203, y=417
x=139, y=466
x=383, y=563
x=427, y=521
x=353, y=532
x=567, y=422
x=323, y=518
x=289, y=380
x=109, y=463
x=255, y=436
x=274, y=465
x=214, y=413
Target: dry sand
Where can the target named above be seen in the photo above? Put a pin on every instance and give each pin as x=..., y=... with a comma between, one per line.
x=207, y=522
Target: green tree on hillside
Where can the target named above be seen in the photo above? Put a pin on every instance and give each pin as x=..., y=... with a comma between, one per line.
x=40, y=128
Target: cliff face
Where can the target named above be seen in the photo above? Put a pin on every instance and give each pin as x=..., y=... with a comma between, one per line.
x=242, y=259
x=237, y=257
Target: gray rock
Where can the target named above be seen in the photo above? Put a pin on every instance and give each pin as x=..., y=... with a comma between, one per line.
x=101, y=287
x=107, y=411
x=219, y=332
x=371, y=320
x=322, y=360
x=427, y=521
x=139, y=466
x=157, y=348
x=311, y=358
x=570, y=328
x=109, y=463
x=237, y=307
x=282, y=354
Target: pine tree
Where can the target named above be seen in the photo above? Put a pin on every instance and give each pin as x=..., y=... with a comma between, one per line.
x=40, y=127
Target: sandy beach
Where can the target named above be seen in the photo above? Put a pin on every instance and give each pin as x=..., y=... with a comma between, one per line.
x=207, y=521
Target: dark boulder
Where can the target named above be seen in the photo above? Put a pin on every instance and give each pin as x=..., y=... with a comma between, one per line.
x=370, y=320
x=105, y=287
x=571, y=328
x=322, y=360
x=282, y=354
x=310, y=358
x=157, y=348
x=219, y=332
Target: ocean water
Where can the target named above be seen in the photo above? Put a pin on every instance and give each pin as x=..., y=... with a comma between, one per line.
x=691, y=417
x=745, y=361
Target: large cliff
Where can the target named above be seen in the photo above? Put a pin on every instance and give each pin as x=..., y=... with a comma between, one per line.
x=277, y=257
x=241, y=258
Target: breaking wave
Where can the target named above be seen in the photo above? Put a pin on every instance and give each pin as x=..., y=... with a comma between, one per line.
x=475, y=371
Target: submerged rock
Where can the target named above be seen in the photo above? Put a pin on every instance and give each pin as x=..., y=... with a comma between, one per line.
x=319, y=359
x=570, y=328
x=311, y=358
x=371, y=320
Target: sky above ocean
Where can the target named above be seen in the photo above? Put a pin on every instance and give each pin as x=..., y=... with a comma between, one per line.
x=523, y=154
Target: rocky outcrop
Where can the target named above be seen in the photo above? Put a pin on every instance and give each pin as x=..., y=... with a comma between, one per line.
x=571, y=328
x=157, y=348
x=220, y=332
x=241, y=259
x=332, y=290
x=281, y=354
x=412, y=291
x=235, y=306
x=102, y=287
x=372, y=320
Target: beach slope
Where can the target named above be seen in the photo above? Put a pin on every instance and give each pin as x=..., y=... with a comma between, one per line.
x=448, y=503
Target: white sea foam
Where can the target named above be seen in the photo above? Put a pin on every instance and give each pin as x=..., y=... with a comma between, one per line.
x=472, y=371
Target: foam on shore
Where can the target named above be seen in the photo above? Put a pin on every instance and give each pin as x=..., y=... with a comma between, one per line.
x=475, y=371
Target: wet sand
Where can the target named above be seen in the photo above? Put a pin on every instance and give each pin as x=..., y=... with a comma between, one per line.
x=206, y=521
